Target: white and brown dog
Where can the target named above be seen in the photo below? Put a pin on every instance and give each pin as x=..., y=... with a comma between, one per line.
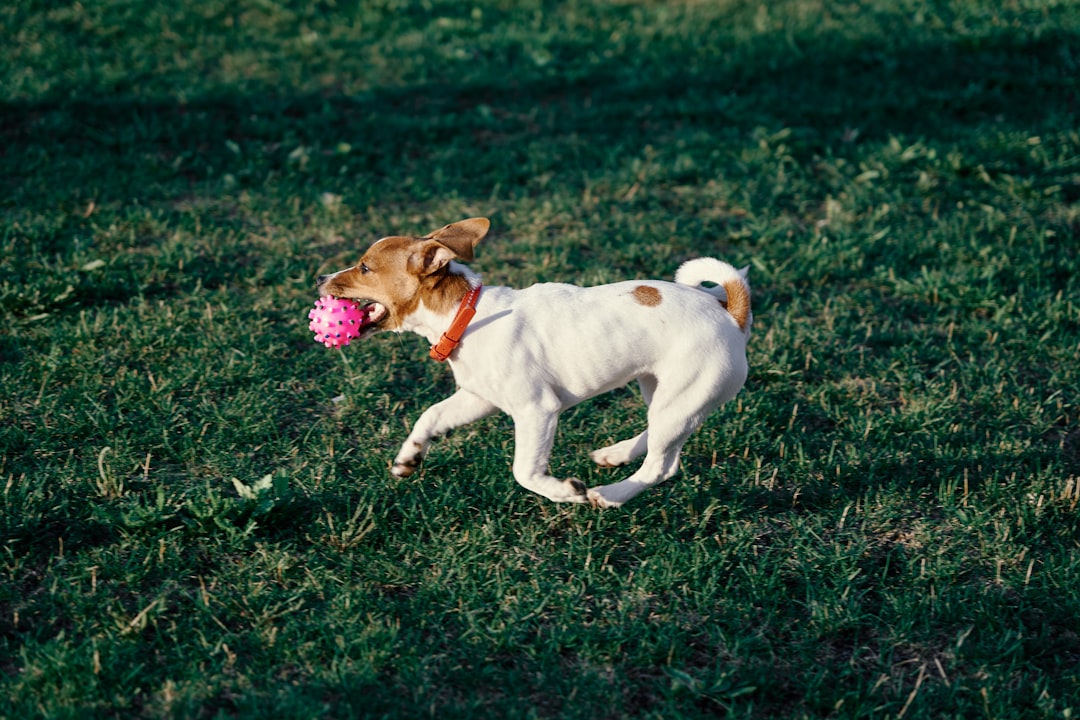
x=535, y=352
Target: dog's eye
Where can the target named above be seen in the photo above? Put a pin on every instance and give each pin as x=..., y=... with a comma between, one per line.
x=364, y=269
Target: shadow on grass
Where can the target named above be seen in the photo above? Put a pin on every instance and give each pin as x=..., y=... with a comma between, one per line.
x=468, y=137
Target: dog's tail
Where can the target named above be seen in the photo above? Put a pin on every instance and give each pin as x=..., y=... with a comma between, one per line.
x=730, y=286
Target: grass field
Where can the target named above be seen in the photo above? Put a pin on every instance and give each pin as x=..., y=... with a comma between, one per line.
x=197, y=519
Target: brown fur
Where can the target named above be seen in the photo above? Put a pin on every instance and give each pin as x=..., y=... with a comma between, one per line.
x=400, y=292
x=461, y=236
x=738, y=302
x=647, y=296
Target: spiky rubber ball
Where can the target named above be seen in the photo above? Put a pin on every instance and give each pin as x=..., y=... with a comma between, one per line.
x=336, y=321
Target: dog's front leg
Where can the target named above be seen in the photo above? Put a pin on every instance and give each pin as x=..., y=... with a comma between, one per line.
x=461, y=408
x=534, y=434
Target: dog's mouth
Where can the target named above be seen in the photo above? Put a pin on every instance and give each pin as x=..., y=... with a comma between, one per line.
x=374, y=315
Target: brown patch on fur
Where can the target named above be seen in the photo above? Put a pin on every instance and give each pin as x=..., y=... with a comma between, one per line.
x=738, y=302
x=647, y=296
x=443, y=291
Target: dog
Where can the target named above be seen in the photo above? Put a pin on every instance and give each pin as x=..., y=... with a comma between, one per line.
x=535, y=352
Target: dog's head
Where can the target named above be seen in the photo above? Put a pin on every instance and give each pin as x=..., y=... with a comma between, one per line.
x=398, y=273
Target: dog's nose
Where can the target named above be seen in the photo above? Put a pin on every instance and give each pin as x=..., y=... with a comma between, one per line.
x=320, y=280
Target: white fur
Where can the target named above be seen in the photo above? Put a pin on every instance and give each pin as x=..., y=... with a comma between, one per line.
x=535, y=352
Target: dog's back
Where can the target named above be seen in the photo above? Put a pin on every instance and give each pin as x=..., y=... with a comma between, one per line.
x=587, y=341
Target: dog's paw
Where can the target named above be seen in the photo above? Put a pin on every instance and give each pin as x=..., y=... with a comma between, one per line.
x=620, y=453
x=577, y=488
x=596, y=498
x=603, y=458
x=408, y=459
x=402, y=470
x=570, y=490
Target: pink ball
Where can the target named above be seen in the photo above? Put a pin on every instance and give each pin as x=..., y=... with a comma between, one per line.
x=336, y=321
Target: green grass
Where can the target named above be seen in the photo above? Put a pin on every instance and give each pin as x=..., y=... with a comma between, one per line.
x=197, y=518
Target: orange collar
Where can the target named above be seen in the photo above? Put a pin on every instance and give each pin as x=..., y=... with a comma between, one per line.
x=450, y=339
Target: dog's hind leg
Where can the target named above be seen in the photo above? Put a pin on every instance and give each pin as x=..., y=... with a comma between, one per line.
x=624, y=451
x=534, y=435
x=673, y=416
x=459, y=409
x=621, y=452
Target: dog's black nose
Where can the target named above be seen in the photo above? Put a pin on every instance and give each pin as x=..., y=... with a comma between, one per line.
x=321, y=279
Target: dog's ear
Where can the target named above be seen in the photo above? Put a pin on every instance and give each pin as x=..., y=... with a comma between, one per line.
x=461, y=237
x=429, y=256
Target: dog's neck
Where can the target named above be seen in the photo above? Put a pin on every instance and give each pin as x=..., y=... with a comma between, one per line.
x=436, y=310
